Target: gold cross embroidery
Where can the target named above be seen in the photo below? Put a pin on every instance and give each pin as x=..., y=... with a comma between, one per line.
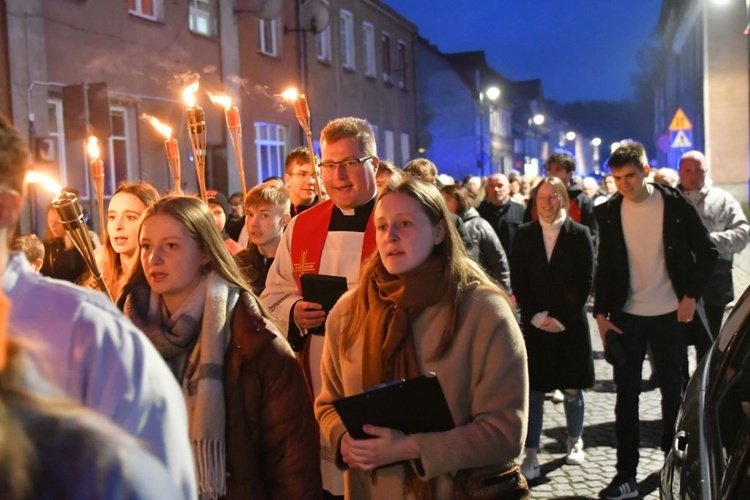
x=303, y=266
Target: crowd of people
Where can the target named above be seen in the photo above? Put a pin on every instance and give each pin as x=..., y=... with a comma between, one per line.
x=227, y=375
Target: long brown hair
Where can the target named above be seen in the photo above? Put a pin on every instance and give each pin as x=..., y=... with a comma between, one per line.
x=459, y=269
x=111, y=265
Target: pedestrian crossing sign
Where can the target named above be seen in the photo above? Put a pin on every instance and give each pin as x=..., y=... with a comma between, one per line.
x=681, y=139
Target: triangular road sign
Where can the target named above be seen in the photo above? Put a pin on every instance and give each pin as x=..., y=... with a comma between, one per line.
x=680, y=121
x=681, y=140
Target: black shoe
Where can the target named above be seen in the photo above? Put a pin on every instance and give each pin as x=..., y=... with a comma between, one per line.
x=622, y=486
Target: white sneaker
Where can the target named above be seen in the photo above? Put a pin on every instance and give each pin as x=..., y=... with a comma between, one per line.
x=557, y=396
x=576, y=456
x=530, y=465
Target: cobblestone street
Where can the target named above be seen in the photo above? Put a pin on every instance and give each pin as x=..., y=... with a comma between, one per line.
x=570, y=481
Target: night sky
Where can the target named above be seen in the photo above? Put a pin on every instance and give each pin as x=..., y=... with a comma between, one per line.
x=581, y=49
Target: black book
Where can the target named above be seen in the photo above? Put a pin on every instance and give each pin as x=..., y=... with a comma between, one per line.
x=322, y=289
x=412, y=406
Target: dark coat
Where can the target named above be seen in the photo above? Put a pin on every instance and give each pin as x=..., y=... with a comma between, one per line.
x=505, y=220
x=689, y=253
x=486, y=248
x=272, y=435
x=254, y=266
x=561, y=286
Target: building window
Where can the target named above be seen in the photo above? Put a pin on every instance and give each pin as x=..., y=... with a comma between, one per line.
x=270, y=148
x=52, y=150
x=368, y=41
x=117, y=160
x=385, y=48
x=375, y=133
x=268, y=30
x=405, y=153
x=203, y=17
x=347, y=39
x=323, y=43
x=402, y=64
x=390, y=147
x=147, y=9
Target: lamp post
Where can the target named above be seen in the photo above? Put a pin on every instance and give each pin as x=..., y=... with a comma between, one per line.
x=534, y=123
x=491, y=93
x=596, y=142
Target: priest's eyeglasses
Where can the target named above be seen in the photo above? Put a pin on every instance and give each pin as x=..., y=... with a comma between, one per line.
x=331, y=165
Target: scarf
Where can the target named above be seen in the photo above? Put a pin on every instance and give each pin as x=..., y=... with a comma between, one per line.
x=193, y=341
x=550, y=232
x=389, y=351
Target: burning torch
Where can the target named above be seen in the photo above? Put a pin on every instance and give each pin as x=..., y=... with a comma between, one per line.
x=71, y=217
x=196, y=123
x=234, y=126
x=97, y=173
x=302, y=110
x=172, y=150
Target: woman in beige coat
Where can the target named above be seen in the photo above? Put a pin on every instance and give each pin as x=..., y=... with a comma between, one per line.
x=423, y=305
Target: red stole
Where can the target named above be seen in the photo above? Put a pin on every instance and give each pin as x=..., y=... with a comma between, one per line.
x=309, y=237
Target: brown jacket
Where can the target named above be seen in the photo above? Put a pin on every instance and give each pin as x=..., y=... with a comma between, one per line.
x=272, y=436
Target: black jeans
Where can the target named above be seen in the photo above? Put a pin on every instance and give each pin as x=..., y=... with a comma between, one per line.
x=667, y=340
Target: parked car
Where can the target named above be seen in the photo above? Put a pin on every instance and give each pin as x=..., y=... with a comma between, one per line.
x=710, y=455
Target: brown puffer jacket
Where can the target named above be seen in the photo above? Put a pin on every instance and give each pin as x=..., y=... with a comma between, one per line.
x=272, y=435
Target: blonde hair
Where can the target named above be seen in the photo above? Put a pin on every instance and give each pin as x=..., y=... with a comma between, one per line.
x=268, y=194
x=459, y=269
x=351, y=128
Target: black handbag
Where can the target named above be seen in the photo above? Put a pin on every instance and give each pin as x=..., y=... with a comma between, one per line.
x=493, y=482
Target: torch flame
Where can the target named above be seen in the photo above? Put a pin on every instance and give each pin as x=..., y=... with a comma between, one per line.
x=221, y=100
x=93, y=147
x=47, y=182
x=188, y=94
x=160, y=127
x=290, y=94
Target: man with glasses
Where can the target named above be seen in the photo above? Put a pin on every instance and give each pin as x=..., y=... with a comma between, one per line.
x=300, y=180
x=331, y=238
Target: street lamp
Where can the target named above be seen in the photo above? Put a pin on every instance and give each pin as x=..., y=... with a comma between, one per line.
x=570, y=136
x=596, y=142
x=538, y=119
x=492, y=93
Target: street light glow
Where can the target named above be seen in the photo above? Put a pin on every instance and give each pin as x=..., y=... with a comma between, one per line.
x=538, y=119
x=596, y=142
x=47, y=182
x=571, y=136
x=492, y=93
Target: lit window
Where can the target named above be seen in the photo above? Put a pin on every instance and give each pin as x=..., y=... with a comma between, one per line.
x=368, y=40
x=147, y=9
x=270, y=148
x=347, y=39
x=203, y=17
x=385, y=48
x=268, y=30
x=405, y=153
x=390, y=147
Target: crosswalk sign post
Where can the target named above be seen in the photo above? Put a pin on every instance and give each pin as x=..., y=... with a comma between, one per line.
x=680, y=131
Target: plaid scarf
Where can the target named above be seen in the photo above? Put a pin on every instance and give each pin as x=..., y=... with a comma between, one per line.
x=193, y=341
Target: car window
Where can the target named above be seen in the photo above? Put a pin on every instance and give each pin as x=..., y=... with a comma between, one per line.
x=739, y=313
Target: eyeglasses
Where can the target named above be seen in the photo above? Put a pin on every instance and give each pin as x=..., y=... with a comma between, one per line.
x=551, y=197
x=302, y=175
x=331, y=165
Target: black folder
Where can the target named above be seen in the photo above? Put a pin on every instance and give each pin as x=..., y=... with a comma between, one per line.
x=323, y=289
x=412, y=406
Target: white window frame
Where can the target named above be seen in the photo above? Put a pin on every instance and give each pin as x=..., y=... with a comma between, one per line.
x=323, y=43
x=402, y=62
x=347, y=39
x=386, y=56
x=111, y=180
x=58, y=138
x=273, y=25
x=157, y=7
x=405, y=156
x=368, y=45
x=274, y=139
x=202, y=11
x=390, y=146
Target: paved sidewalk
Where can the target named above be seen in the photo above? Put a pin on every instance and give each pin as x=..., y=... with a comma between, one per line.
x=570, y=481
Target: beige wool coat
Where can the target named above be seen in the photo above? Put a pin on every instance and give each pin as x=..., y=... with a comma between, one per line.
x=484, y=379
